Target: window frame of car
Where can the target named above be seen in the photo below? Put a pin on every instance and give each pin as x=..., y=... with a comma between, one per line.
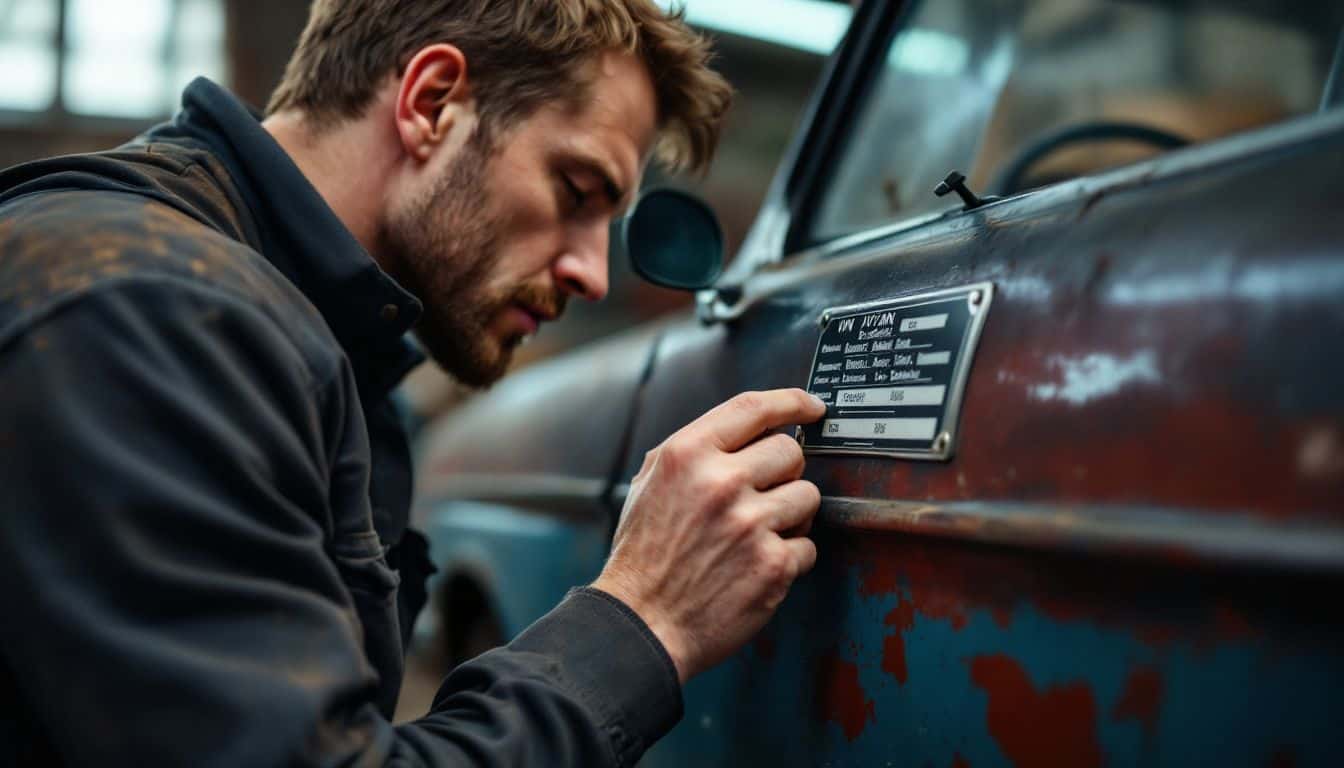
x=848, y=75
x=783, y=229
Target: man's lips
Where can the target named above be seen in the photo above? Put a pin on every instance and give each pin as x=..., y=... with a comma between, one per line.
x=528, y=318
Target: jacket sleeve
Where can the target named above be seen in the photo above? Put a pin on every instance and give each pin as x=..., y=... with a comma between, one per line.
x=166, y=482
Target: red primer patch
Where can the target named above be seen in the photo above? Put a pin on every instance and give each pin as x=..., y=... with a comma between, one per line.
x=877, y=578
x=941, y=603
x=1157, y=636
x=902, y=617
x=1142, y=698
x=1054, y=727
x=840, y=697
x=1003, y=618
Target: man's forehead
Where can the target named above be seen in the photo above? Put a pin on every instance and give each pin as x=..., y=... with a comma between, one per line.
x=614, y=126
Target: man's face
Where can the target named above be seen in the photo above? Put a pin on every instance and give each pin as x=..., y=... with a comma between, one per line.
x=494, y=242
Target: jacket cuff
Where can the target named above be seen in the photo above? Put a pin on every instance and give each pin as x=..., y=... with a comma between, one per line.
x=615, y=664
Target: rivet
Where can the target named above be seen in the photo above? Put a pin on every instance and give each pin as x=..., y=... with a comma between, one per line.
x=825, y=318
x=976, y=298
x=389, y=312
x=941, y=442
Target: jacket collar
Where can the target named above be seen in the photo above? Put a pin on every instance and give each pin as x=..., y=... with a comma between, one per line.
x=367, y=311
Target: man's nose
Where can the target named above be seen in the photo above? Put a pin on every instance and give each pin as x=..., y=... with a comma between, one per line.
x=582, y=268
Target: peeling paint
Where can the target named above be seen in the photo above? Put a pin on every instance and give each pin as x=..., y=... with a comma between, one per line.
x=902, y=619
x=841, y=698
x=1141, y=699
x=1097, y=375
x=1057, y=726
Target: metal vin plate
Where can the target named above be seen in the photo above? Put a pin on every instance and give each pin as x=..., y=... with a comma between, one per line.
x=892, y=373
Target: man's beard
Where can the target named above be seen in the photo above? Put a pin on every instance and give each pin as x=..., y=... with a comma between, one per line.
x=444, y=249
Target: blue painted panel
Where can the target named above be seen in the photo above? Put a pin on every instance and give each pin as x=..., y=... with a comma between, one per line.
x=526, y=561
x=903, y=650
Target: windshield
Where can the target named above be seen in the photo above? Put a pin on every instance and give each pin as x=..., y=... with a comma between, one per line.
x=1021, y=93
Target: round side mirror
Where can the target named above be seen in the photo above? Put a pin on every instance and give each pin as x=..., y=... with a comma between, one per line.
x=674, y=240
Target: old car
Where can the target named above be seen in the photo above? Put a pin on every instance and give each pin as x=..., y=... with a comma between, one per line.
x=1070, y=275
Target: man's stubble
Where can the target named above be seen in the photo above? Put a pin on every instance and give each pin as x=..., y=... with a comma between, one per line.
x=445, y=249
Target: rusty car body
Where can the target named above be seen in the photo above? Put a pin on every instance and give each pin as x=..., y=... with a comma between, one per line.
x=1134, y=552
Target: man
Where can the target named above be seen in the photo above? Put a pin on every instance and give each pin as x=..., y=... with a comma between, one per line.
x=205, y=487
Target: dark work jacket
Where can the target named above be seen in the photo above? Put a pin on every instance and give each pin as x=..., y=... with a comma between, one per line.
x=204, y=488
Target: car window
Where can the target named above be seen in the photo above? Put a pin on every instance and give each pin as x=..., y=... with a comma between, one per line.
x=983, y=85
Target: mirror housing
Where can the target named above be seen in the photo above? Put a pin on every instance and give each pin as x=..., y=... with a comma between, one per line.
x=674, y=240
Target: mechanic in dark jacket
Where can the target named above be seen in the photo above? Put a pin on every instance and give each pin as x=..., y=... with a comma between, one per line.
x=204, y=486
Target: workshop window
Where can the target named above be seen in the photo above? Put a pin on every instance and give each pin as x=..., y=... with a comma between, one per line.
x=107, y=58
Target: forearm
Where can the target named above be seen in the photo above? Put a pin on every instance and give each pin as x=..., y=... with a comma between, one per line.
x=586, y=685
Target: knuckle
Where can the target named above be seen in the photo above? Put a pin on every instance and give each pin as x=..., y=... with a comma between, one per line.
x=651, y=460
x=802, y=401
x=724, y=486
x=651, y=456
x=736, y=478
x=793, y=453
x=809, y=557
x=740, y=523
x=786, y=445
x=730, y=482
x=749, y=402
x=676, y=452
x=778, y=567
x=810, y=494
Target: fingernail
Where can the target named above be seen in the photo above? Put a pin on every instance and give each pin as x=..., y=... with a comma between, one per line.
x=818, y=399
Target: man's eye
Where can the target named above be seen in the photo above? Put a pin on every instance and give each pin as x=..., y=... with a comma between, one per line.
x=576, y=196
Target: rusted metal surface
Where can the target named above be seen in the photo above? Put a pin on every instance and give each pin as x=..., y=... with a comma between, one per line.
x=1162, y=344
x=1133, y=557
x=1138, y=539
x=1106, y=531
x=920, y=651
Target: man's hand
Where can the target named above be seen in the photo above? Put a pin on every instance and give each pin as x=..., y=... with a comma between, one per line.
x=715, y=528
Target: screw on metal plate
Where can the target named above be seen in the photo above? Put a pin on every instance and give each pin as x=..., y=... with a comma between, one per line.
x=976, y=299
x=825, y=318
x=941, y=442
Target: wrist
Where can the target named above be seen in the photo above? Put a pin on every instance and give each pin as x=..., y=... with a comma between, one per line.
x=663, y=629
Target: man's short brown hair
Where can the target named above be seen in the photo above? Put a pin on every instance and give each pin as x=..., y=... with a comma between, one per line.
x=520, y=55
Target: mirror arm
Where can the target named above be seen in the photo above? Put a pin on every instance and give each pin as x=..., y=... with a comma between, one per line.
x=719, y=304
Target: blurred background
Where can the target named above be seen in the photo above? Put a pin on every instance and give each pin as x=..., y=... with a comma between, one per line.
x=81, y=75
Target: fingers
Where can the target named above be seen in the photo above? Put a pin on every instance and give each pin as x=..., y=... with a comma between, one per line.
x=737, y=422
x=772, y=460
x=798, y=530
x=803, y=552
x=789, y=506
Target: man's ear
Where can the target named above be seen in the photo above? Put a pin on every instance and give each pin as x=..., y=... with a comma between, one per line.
x=433, y=99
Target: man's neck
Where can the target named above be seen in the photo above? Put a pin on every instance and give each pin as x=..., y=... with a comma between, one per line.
x=347, y=165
